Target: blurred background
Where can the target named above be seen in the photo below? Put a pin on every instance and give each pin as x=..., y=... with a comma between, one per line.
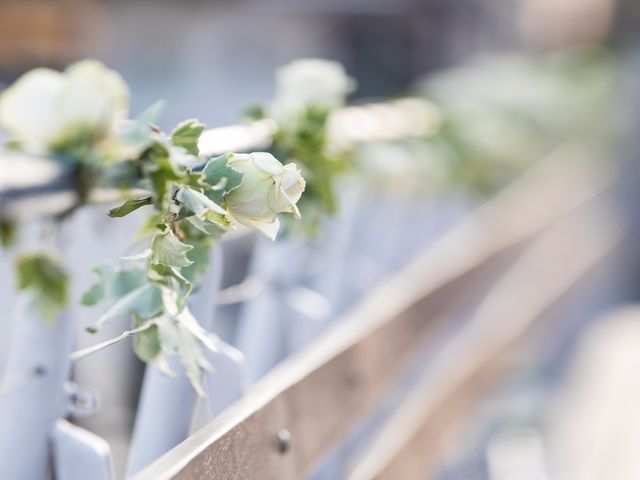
x=511, y=79
x=226, y=51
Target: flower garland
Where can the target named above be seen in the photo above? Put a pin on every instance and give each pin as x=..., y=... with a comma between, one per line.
x=79, y=117
x=308, y=91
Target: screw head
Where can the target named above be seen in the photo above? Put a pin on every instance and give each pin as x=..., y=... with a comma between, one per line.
x=284, y=440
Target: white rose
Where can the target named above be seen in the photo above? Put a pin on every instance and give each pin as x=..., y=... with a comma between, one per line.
x=310, y=82
x=267, y=188
x=44, y=107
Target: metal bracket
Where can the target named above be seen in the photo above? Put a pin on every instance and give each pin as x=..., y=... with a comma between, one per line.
x=81, y=401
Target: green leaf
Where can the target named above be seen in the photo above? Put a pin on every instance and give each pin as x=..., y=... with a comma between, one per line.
x=150, y=114
x=255, y=112
x=200, y=256
x=13, y=145
x=203, y=207
x=187, y=134
x=157, y=166
x=182, y=335
x=46, y=280
x=114, y=283
x=220, y=178
x=93, y=295
x=145, y=302
x=146, y=344
x=139, y=132
x=175, y=340
x=7, y=232
x=184, y=288
x=213, y=230
x=129, y=206
x=167, y=249
x=306, y=142
x=166, y=275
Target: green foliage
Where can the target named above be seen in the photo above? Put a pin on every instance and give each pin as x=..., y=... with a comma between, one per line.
x=129, y=206
x=199, y=255
x=114, y=284
x=173, y=279
x=168, y=250
x=42, y=276
x=198, y=204
x=137, y=133
x=306, y=143
x=146, y=344
x=182, y=335
x=143, y=301
x=186, y=135
x=495, y=130
x=220, y=178
x=7, y=232
x=254, y=112
x=187, y=196
x=159, y=173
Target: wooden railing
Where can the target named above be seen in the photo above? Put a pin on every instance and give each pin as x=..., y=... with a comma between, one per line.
x=510, y=263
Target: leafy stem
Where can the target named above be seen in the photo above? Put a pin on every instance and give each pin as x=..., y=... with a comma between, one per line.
x=85, y=352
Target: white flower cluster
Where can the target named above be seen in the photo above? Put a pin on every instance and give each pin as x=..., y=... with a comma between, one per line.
x=45, y=108
x=310, y=83
x=80, y=116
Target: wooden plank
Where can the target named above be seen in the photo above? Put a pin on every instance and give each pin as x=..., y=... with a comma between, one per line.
x=594, y=427
x=410, y=444
x=315, y=397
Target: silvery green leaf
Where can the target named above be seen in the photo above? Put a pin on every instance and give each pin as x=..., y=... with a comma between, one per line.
x=146, y=344
x=129, y=206
x=138, y=131
x=184, y=287
x=167, y=249
x=94, y=295
x=186, y=319
x=187, y=134
x=220, y=177
x=182, y=159
x=160, y=362
x=200, y=256
x=157, y=167
x=114, y=283
x=205, y=226
x=177, y=340
x=46, y=281
x=189, y=322
x=203, y=207
x=148, y=348
x=144, y=301
x=198, y=203
x=150, y=114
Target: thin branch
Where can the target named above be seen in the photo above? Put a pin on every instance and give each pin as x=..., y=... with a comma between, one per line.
x=249, y=288
x=85, y=352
